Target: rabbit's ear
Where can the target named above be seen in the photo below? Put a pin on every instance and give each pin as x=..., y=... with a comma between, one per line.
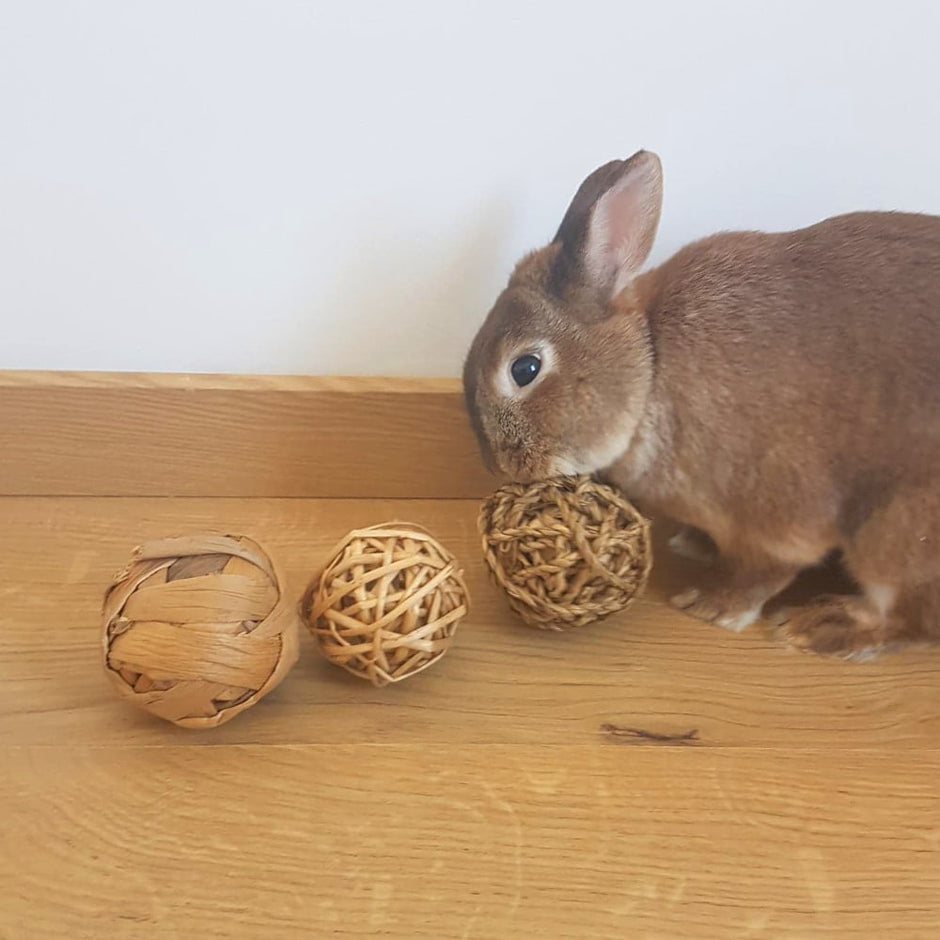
x=608, y=230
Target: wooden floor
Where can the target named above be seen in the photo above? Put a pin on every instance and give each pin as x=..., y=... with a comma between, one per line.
x=510, y=791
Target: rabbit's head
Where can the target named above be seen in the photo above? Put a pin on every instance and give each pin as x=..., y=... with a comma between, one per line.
x=558, y=375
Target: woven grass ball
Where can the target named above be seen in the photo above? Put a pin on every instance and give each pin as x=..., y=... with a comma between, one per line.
x=567, y=551
x=198, y=629
x=388, y=603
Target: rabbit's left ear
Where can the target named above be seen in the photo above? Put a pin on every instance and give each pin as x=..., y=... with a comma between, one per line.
x=608, y=231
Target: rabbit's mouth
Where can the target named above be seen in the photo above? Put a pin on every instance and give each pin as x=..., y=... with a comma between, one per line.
x=522, y=464
x=520, y=471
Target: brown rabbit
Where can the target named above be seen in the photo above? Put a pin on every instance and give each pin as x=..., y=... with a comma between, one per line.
x=778, y=392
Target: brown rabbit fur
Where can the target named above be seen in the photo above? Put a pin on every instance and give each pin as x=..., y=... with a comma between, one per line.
x=777, y=392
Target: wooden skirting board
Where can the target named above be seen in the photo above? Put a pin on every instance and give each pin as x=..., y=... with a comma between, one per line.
x=132, y=434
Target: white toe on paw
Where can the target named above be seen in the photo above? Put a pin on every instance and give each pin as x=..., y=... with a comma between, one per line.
x=866, y=655
x=739, y=622
x=686, y=598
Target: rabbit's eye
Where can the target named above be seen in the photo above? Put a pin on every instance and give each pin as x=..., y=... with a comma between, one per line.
x=525, y=369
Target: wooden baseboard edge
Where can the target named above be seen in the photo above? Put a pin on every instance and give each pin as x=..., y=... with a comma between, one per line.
x=147, y=434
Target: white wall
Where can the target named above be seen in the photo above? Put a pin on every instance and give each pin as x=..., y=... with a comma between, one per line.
x=343, y=187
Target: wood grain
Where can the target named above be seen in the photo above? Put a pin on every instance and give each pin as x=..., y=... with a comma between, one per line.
x=418, y=841
x=649, y=777
x=125, y=434
x=650, y=668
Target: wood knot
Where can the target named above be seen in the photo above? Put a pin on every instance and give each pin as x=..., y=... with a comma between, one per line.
x=641, y=735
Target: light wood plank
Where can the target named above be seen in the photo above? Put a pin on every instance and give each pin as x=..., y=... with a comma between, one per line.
x=480, y=842
x=650, y=668
x=117, y=434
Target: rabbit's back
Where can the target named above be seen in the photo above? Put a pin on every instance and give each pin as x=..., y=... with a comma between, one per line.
x=834, y=325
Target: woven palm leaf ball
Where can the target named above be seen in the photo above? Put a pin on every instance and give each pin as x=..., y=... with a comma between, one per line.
x=567, y=551
x=197, y=629
x=387, y=604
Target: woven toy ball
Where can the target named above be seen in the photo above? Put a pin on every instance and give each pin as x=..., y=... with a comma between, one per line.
x=387, y=604
x=567, y=551
x=198, y=629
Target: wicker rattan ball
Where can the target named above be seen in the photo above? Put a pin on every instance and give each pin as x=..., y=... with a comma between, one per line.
x=387, y=604
x=567, y=551
x=198, y=629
